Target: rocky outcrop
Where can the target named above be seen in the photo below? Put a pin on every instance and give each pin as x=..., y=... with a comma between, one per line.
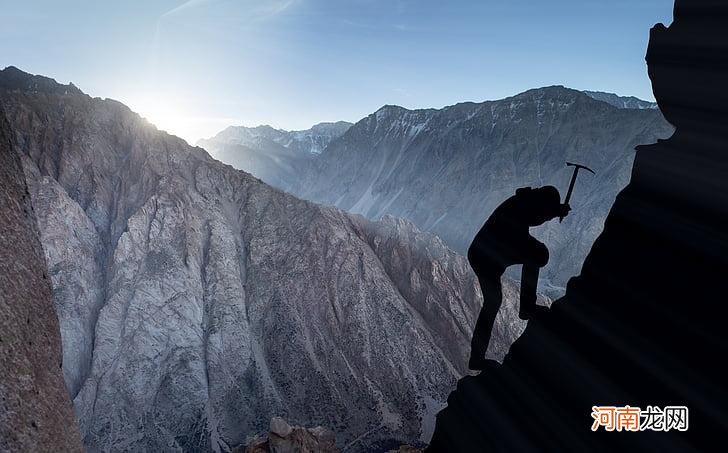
x=195, y=302
x=447, y=170
x=284, y=438
x=35, y=411
x=644, y=323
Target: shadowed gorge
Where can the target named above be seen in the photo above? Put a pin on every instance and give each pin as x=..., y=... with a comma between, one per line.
x=644, y=323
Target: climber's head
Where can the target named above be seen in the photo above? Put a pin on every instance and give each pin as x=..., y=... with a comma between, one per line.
x=542, y=203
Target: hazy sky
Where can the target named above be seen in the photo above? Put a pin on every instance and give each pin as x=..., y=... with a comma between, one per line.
x=195, y=67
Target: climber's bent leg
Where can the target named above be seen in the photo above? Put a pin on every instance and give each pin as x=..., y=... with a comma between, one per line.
x=537, y=257
x=490, y=286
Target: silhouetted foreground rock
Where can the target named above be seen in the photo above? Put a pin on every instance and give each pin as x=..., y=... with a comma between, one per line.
x=284, y=438
x=35, y=410
x=645, y=322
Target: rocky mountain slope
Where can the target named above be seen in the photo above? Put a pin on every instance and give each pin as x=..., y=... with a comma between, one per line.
x=35, y=411
x=622, y=102
x=196, y=302
x=446, y=170
x=273, y=155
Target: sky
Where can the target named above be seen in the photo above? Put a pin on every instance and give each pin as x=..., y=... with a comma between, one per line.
x=195, y=67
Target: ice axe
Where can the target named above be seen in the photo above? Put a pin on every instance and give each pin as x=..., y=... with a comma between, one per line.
x=577, y=167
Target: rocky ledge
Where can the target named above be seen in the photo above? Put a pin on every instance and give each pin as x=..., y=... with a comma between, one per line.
x=284, y=438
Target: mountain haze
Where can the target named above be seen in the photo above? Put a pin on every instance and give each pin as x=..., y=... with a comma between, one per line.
x=446, y=170
x=273, y=155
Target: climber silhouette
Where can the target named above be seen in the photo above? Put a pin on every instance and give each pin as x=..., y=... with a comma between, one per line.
x=503, y=241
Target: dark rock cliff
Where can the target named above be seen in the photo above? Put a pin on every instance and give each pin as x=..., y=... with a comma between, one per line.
x=644, y=323
x=35, y=411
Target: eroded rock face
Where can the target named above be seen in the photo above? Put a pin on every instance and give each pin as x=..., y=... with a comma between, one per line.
x=195, y=302
x=35, y=411
x=75, y=258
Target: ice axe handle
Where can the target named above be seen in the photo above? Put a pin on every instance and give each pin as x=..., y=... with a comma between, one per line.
x=570, y=191
x=577, y=167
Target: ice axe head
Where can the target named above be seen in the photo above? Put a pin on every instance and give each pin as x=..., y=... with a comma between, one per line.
x=577, y=167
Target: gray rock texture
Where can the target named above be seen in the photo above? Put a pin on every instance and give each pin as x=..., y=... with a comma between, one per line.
x=446, y=170
x=35, y=410
x=622, y=102
x=196, y=302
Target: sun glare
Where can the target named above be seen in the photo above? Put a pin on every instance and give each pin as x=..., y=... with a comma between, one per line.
x=176, y=118
x=160, y=113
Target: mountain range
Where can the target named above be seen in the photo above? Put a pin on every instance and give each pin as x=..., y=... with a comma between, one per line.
x=622, y=102
x=273, y=155
x=195, y=302
x=447, y=169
